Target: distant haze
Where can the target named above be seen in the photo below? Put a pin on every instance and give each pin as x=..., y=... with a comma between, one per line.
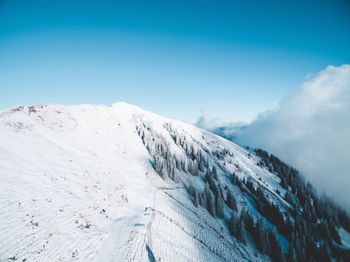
x=310, y=130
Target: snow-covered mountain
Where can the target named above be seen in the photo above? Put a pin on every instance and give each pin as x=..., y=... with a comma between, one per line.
x=117, y=183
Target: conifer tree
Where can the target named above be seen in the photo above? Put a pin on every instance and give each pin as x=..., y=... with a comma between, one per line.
x=260, y=237
x=231, y=201
x=210, y=205
x=241, y=232
x=275, y=251
x=219, y=205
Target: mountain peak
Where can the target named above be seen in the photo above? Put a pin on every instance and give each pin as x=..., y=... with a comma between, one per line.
x=118, y=183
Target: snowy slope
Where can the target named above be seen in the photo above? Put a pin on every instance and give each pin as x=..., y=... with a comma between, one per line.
x=79, y=183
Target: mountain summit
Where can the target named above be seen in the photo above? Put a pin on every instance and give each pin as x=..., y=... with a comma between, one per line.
x=117, y=183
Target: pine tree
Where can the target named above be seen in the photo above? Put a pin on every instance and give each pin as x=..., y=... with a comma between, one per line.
x=193, y=168
x=233, y=224
x=291, y=256
x=260, y=237
x=288, y=197
x=275, y=251
x=196, y=199
x=241, y=232
x=231, y=201
x=219, y=206
x=214, y=172
x=201, y=165
x=203, y=199
x=210, y=205
x=334, y=233
x=236, y=181
x=195, y=196
x=237, y=228
x=248, y=220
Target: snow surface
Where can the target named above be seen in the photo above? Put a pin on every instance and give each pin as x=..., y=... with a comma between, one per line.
x=345, y=238
x=77, y=184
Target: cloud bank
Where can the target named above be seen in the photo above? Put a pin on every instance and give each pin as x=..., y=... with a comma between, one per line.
x=311, y=131
x=226, y=130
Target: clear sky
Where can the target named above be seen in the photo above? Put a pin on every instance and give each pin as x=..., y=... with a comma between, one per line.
x=231, y=59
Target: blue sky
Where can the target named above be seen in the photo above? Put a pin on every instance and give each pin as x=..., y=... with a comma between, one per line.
x=229, y=59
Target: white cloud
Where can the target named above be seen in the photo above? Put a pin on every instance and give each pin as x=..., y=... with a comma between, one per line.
x=217, y=126
x=311, y=131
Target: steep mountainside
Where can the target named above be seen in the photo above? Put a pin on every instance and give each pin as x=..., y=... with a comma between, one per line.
x=117, y=183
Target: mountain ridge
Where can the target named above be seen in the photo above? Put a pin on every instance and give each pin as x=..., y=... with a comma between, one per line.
x=118, y=183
